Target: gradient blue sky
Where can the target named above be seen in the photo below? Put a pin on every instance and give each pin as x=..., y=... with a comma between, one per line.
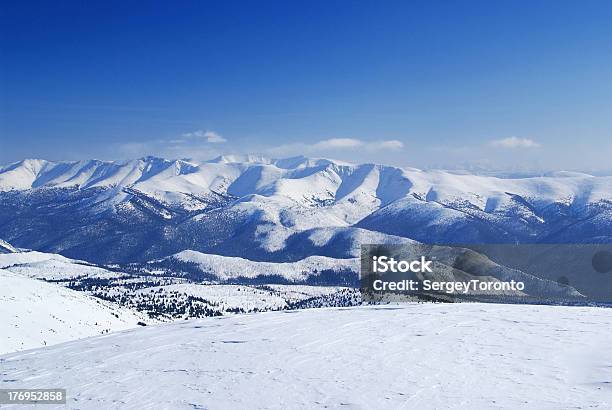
x=500, y=84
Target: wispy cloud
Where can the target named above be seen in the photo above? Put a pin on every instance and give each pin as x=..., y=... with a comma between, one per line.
x=197, y=144
x=392, y=145
x=514, y=142
x=336, y=145
x=208, y=136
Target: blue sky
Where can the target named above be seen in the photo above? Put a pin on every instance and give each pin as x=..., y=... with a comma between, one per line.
x=496, y=84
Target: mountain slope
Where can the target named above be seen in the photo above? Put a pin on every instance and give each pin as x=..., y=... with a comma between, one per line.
x=36, y=313
x=51, y=267
x=6, y=247
x=223, y=268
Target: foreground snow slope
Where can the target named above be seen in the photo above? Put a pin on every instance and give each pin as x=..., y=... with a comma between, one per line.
x=415, y=356
x=35, y=313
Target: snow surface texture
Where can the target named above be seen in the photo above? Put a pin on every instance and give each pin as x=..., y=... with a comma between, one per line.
x=420, y=356
x=284, y=210
x=35, y=313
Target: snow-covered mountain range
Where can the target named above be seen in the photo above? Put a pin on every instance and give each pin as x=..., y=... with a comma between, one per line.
x=284, y=210
x=174, y=239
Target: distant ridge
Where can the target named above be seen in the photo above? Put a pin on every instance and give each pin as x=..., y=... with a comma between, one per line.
x=284, y=210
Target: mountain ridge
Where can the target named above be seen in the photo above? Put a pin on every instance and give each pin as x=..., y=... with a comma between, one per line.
x=283, y=210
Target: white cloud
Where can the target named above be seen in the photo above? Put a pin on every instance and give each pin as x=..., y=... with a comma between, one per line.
x=213, y=137
x=335, y=146
x=514, y=142
x=392, y=145
x=198, y=133
x=338, y=143
x=209, y=136
x=197, y=144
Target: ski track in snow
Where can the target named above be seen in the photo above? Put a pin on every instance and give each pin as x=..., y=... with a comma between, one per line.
x=415, y=356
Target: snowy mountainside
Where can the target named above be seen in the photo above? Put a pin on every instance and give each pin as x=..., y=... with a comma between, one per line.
x=51, y=267
x=224, y=268
x=268, y=210
x=424, y=356
x=36, y=313
x=6, y=247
